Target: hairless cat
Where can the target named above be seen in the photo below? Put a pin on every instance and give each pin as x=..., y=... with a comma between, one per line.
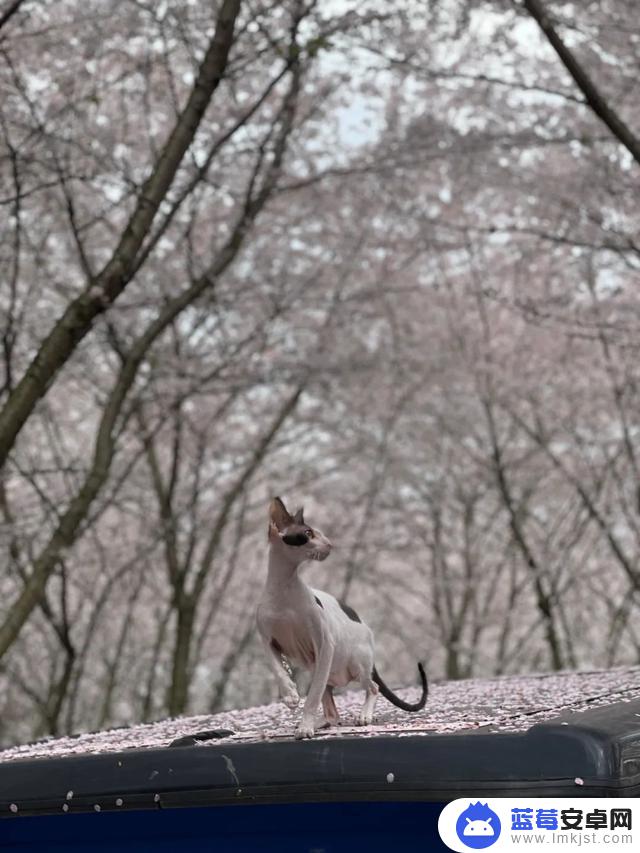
x=312, y=629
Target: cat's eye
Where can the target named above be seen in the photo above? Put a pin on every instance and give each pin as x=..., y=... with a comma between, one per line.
x=309, y=532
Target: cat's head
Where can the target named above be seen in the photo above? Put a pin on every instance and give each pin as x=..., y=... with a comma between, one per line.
x=297, y=539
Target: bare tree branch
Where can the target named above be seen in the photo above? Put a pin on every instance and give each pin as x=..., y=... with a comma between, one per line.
x=107, y=285
x=593, y=95
x=9, y=12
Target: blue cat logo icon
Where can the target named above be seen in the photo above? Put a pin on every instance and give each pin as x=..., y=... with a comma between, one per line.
x=478, y=826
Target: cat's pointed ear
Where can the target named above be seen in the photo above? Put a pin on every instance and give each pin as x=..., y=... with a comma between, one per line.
x=279, y=515
x=298, y=518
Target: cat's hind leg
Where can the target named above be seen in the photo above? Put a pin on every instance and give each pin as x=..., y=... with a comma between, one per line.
x=365, y=717
x=363, y=670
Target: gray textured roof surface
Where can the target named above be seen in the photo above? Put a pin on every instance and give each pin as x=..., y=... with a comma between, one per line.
x=506, y=704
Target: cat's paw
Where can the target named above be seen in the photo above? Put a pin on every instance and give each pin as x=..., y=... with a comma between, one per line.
x=305, y=729
x=364, y=719
x=291, y=700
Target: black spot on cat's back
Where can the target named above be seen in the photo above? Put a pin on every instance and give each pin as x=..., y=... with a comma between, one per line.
x=351, y=613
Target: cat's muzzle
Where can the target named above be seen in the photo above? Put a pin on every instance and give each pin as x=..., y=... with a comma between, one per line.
x=321, y=555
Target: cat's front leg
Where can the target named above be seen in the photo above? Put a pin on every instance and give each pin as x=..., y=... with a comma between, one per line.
x=331, y=716
x=286, y=688
x=306, y=726
x=290, y=696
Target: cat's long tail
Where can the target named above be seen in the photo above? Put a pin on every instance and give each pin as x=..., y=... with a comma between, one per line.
x=396, y=700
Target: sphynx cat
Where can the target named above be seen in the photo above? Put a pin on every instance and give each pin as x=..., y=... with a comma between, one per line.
x=313, y=630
